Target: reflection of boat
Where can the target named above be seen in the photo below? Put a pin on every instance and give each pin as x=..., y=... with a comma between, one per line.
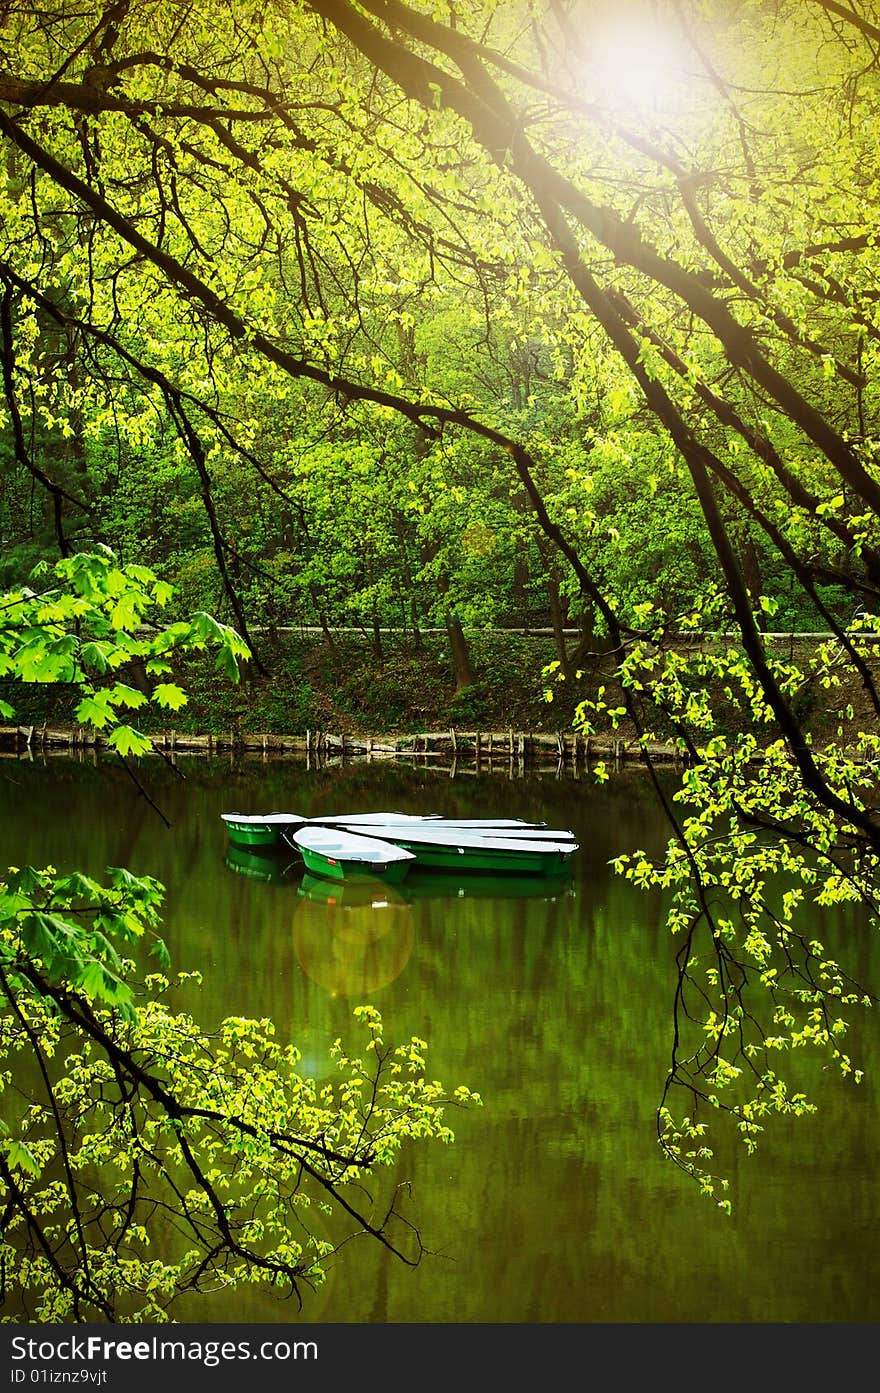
x=341, y=855
x=426, y=884
x=367, y=892
x=265, y=864
x=260, y=829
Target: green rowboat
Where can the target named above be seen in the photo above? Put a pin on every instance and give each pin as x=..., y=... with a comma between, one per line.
x=465, y=851
x=451, y=828
x=267, y=830
x=508, y=847
x=338, y=855
x=261, y=829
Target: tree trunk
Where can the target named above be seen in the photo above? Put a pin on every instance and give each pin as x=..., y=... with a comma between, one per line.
x=751, y=567
x=418, y=645
x=322, y=620
x=558, y=621
x=520, y=583
x=410, y=598
x=377, y=637
x=462, y=667
x=588, y=642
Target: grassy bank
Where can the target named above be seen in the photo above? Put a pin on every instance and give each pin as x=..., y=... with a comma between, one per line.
x=307, y=684
x=310, y=685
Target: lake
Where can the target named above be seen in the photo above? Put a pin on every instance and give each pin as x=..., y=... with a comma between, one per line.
x=555, y=1203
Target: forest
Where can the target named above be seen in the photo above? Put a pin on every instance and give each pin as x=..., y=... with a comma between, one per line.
x=467, y=316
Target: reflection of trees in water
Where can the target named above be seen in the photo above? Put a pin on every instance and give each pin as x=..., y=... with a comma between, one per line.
x=548, y=1000
x=555, y=1204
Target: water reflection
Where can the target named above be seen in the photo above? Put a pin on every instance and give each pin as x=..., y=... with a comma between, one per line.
x=355, y=936
x=274, y=866
x=453, y=885
x=261, y=865
x=364, y=893
x=352, y=938
x=553, y=1000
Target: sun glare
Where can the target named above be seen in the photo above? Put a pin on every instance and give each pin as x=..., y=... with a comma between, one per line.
x=639, y=65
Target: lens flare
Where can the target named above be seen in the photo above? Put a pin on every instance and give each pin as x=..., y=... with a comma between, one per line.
x=639, y=65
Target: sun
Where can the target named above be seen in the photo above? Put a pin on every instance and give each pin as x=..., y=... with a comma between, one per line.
x=638, y=62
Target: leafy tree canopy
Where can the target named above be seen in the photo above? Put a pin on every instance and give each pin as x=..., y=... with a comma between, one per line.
x=537, y=250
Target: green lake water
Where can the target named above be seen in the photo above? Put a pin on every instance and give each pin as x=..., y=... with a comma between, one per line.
x=554, y=1204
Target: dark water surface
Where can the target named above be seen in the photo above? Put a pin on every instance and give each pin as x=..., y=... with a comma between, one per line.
x=554, y=1204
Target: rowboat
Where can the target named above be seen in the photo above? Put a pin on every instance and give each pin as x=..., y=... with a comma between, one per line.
x=469, y=850
x=260, y=829
x=263, y=830
x=509, y=829
x=340, y=855
x=368, y=819
x=504, y=846
x=431, y=820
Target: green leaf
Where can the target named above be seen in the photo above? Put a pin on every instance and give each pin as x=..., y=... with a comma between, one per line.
x=128, y=741
x=91, y=979
x=46, y=935
x=145, y=889
x=77, y=885
x=206, y=627
x=228, y=664
x=12, y=904
x=142, y=574
x=26, y=879
x=169, y=695
x=122, y=695
x=95, y=654
x=21, y=1156
x=162, y=592
x=159, y=951
x=95, y=710
x=126, y=613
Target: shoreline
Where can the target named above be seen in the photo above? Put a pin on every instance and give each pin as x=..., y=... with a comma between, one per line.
x=473, y=746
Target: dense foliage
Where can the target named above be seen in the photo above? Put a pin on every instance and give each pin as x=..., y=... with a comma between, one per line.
x=364, y=312
x=143, y=1160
